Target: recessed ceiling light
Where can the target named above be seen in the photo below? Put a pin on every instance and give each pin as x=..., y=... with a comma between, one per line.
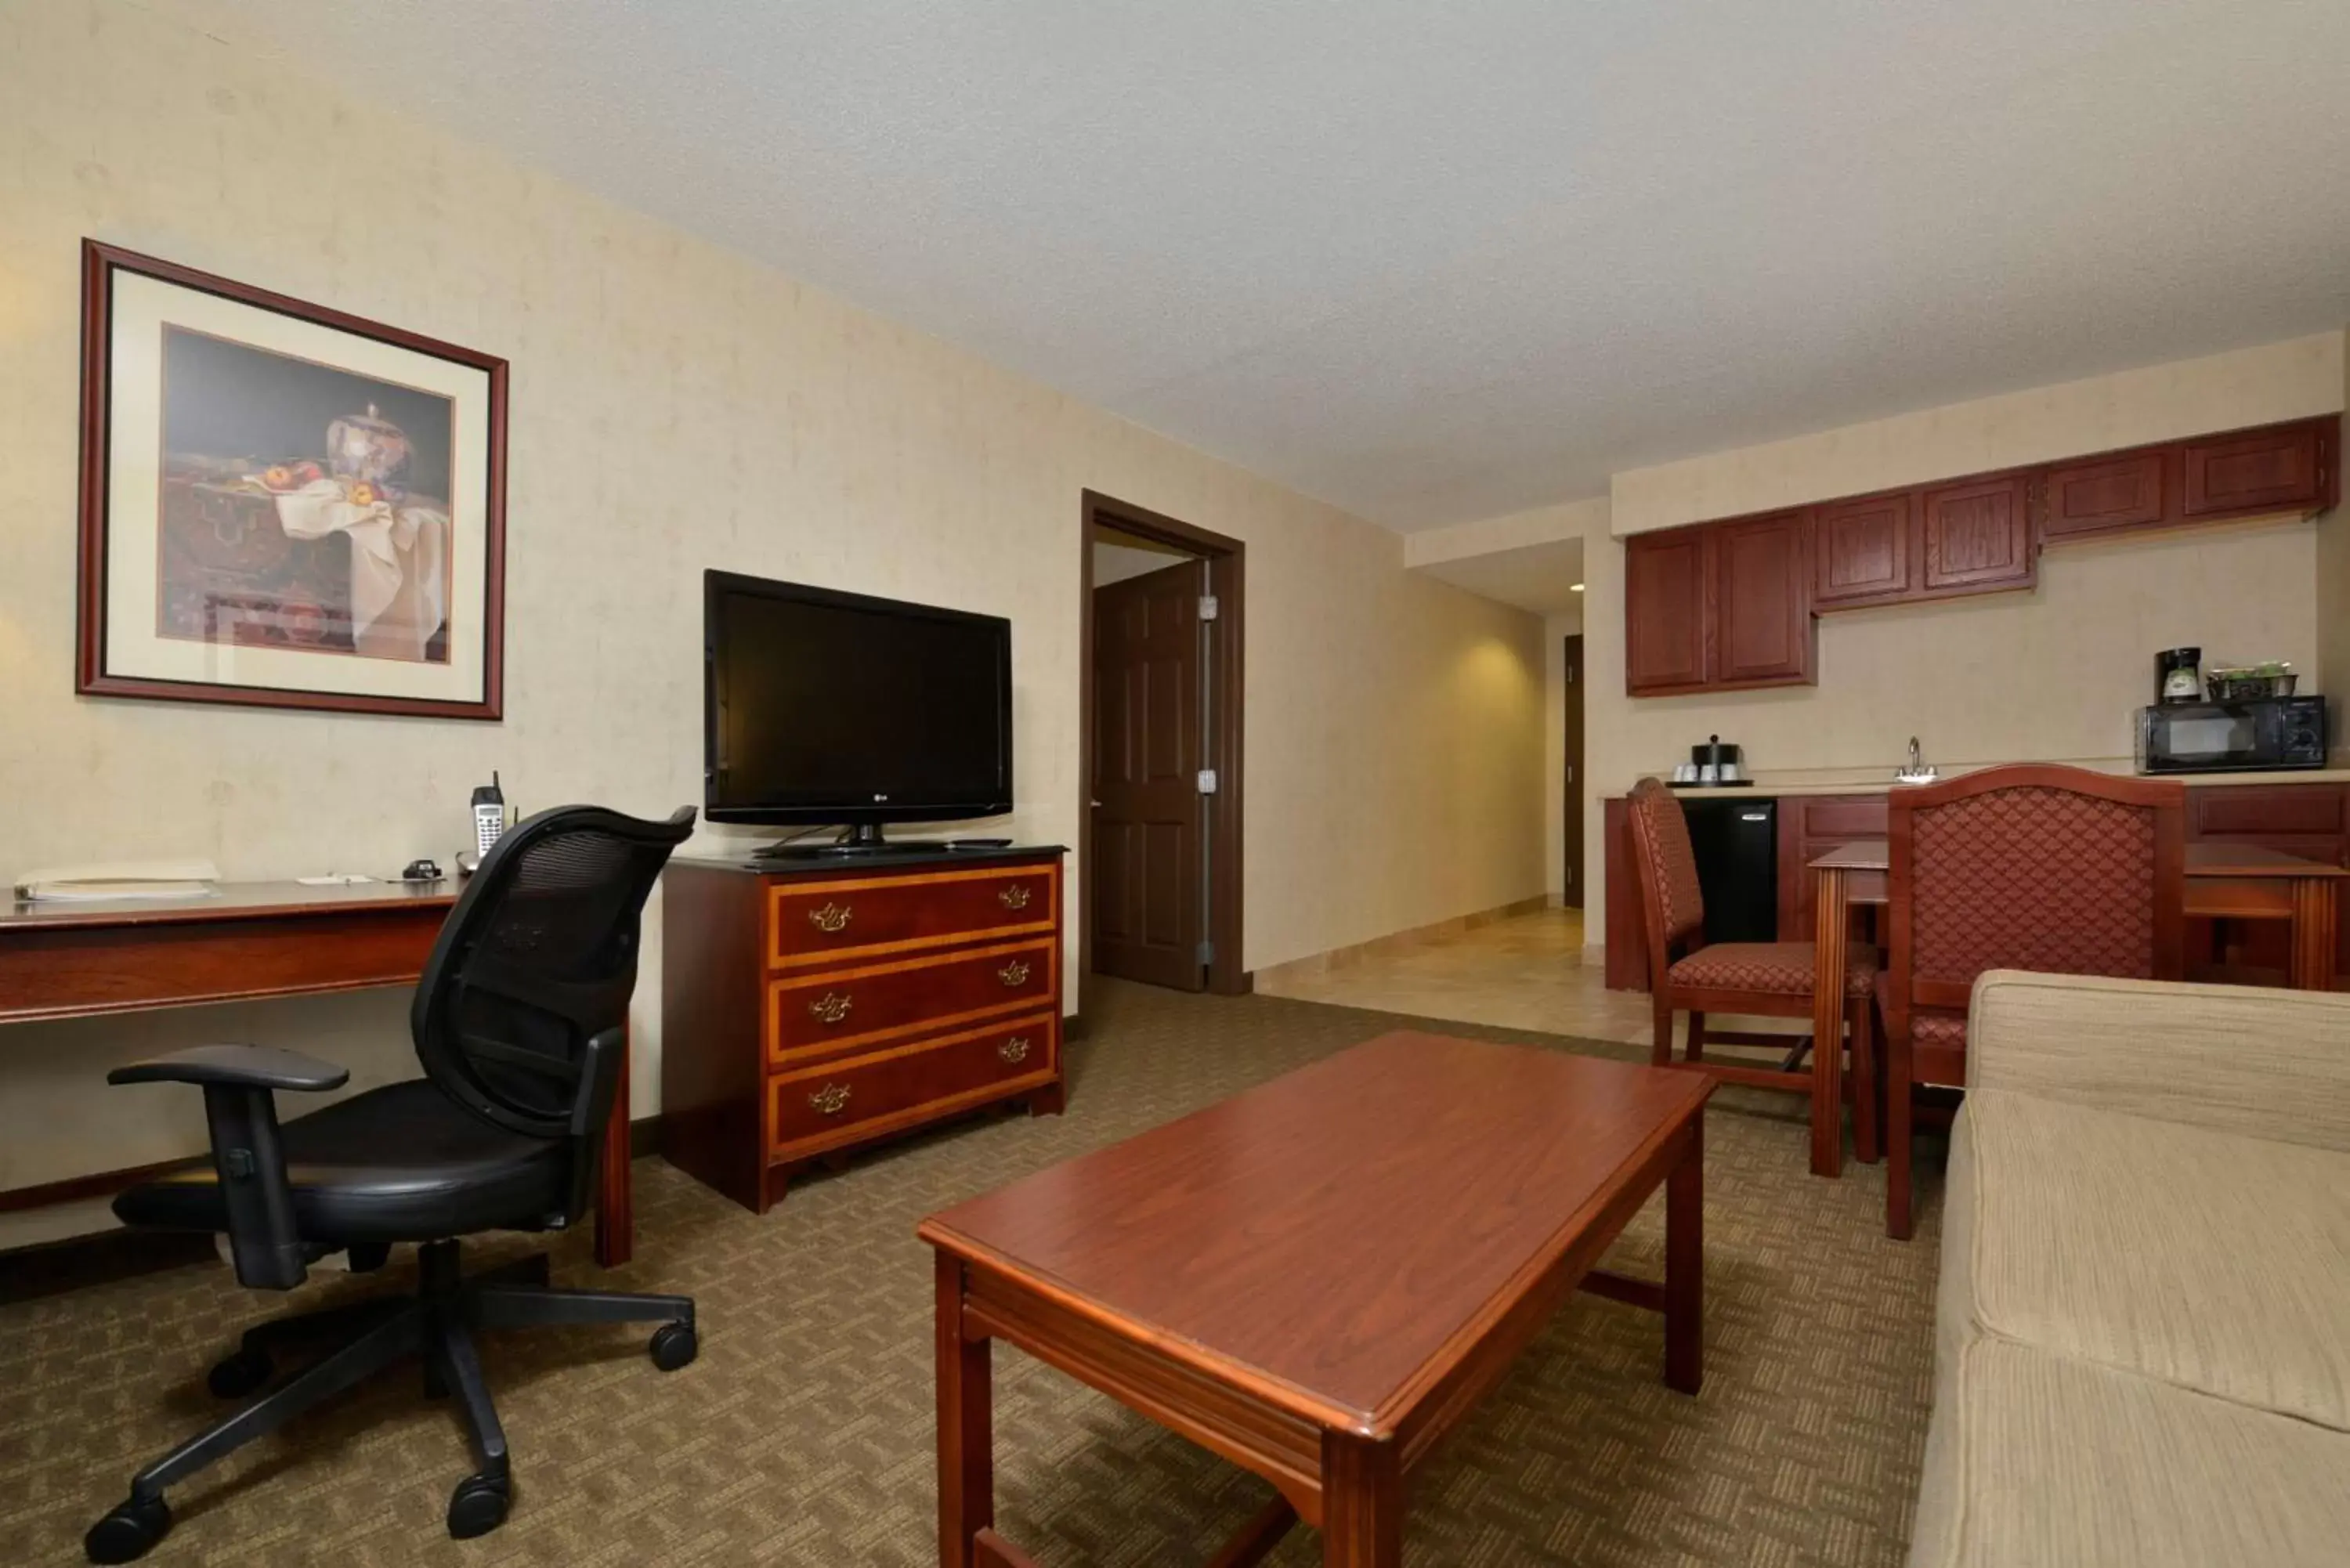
x=1574, y=587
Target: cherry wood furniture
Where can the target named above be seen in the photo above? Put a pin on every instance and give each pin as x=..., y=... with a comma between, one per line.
x=811, y=1007
x=2054, y=870
x=1729, y=604
x=1765, y=979
x=1319, y=1278
x=2247, y=941
x=251, y=941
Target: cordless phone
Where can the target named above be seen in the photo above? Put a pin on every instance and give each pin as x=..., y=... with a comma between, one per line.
x=489, y=814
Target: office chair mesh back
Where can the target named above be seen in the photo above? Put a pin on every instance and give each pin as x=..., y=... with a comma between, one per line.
x=539, y=957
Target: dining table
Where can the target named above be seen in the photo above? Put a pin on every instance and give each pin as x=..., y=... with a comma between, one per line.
x=2224, y=882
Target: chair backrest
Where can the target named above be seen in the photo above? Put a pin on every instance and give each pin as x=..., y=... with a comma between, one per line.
x=1671, y=898
x=2055, y=869
x=536, y=961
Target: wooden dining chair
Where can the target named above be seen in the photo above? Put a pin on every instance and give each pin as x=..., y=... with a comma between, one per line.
x=1766, y=980
x=2033, y=867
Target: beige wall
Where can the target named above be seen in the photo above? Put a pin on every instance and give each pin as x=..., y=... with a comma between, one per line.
x=2051, y=675
x=674, y=406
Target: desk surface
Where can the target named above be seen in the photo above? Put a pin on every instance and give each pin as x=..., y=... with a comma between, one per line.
x=232, y=901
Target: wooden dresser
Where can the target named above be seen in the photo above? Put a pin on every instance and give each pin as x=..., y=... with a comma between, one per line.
x=810, y=1008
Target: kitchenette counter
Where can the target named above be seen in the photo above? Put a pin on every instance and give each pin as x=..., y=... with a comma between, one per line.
x=1764, y=789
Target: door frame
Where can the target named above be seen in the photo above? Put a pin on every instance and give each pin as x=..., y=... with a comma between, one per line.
x=1573, y=850
x=1227, y=561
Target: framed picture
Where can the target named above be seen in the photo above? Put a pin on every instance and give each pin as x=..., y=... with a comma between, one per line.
x=284, y=505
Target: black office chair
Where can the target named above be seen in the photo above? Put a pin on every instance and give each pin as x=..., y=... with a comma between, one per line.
x=520, y=1020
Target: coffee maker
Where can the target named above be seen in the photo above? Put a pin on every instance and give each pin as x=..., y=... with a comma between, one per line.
x=2178, y=675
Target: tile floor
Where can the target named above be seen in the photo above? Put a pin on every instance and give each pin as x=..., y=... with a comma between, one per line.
x=1522, y=972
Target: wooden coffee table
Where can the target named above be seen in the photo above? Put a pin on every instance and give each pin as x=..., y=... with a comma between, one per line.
x=1319, y=1278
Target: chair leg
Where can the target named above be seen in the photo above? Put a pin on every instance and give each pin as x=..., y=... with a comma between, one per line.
x=1661, y=1041
x=502, y=1305
x=1695, y=1050
x=1864, y=1080
x=1898, y=1114
x=399, y=1335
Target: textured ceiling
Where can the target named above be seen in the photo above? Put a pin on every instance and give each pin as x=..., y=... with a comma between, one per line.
x=1442, y=261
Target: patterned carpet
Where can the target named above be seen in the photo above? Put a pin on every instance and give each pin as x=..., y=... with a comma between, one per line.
x=803, y=1435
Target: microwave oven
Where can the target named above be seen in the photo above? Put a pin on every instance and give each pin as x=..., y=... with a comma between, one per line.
x=2220, y=737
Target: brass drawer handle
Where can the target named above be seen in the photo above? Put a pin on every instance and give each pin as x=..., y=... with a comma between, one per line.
x=830, y=1100
x=832, y=1006
x=1014, y=1050
x=1016, y=897
x=831, y=918
x=1014, y=974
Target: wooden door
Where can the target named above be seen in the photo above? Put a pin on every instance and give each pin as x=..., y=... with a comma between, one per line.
x=1861, y=548
x=1149, y=836
x=1761, y=596
x=2283, y=467
x=1571, y=743
x=2100, y=494
x=1664, y=611
x=1978, y=533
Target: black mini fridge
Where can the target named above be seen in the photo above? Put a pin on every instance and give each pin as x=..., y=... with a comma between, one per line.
x=1737, y=844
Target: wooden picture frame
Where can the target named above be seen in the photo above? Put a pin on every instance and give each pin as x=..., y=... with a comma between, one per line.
x=224, y=558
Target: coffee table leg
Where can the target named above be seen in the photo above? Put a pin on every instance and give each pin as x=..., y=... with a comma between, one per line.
x=1362, y=1502
x=1685, y=1267
x=966, y=1426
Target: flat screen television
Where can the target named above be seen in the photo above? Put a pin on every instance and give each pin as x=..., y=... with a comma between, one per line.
x=822, y=707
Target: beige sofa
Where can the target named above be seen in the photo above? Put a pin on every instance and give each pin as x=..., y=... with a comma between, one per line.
x=2143, y=1332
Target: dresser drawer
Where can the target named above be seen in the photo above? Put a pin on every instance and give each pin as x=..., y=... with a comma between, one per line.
x=865, y=917
x=839, y=1009
x=841, y=1102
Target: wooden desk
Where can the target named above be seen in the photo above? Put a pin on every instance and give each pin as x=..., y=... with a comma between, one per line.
x=1319, y=1278
x=253, y=941
x=2227, y=881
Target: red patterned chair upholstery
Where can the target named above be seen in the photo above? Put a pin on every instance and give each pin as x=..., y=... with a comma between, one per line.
x=1767, y=980
x=2054, y=870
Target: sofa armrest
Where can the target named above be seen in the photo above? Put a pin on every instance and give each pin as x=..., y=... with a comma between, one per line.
x=2257, y=1061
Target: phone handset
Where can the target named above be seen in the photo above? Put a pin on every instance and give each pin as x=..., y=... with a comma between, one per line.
x=489, y=823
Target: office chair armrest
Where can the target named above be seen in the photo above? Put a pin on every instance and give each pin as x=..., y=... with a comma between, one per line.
x=599, y=1084
x=235, y=1066
x=248, y=1156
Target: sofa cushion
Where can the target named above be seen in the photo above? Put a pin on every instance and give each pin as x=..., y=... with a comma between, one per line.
x=2037, y=1461
x=2209, y=1261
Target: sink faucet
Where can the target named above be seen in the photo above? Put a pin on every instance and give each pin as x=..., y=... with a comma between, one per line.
x=1916, y=772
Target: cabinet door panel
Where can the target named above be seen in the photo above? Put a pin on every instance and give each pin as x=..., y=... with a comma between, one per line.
x=2126, y=490
x=2278, y=468
x=1862, y=549
x=1978, y=533
x=1763, y=600
x=1665, y=611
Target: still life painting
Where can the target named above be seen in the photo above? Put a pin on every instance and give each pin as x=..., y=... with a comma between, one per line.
x=282, y=504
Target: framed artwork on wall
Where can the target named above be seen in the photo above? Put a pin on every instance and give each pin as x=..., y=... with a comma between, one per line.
x=285, y=506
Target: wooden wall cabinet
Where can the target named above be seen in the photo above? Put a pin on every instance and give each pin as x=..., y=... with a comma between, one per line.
x=1977, y=535
x=1666, y=646
x=1761, y=597
x=1862, y=549
x=1713, y=606
x=808, y=1010
x=2282, y=468
x=1719, y=608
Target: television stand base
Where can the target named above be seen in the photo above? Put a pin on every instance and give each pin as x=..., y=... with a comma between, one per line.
x=864, y=838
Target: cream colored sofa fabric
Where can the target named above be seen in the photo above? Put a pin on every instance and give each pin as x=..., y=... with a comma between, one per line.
x=2143, y=1351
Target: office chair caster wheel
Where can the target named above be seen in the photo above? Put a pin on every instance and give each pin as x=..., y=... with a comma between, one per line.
x=239, y=1374
x=127, y=1533
x=478, y=1506
x=674, y=1345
